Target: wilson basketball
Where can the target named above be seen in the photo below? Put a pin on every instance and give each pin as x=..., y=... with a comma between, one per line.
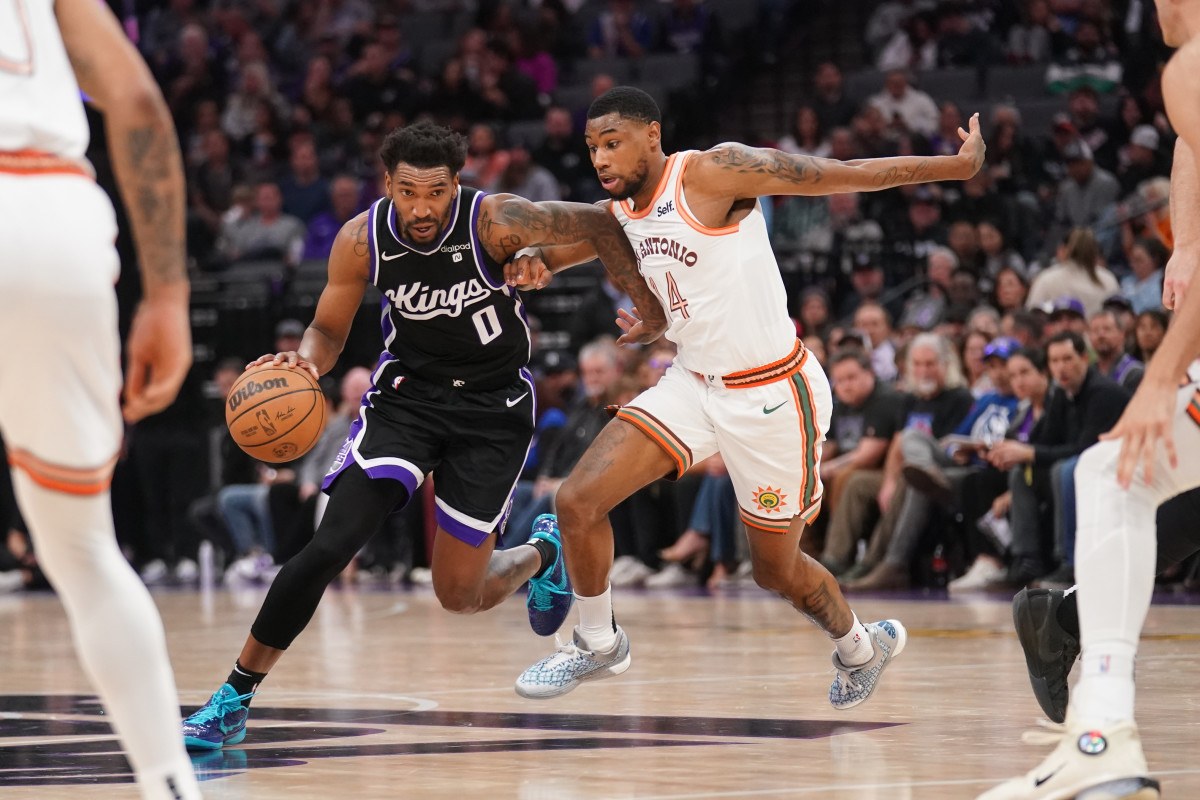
x=274, y=413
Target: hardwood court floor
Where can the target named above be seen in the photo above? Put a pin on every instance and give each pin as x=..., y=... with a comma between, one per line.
x=388, y=696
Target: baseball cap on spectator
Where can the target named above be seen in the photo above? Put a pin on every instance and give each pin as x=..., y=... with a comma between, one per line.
x=1077, y=150
x=1117, y=302
x=1067, y=305
x=863, y=262
x=1145, y=136
x=289, y=327
x=1001, y=347
x=555, y=361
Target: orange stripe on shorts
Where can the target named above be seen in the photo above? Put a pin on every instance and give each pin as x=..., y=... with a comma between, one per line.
x=58, y=478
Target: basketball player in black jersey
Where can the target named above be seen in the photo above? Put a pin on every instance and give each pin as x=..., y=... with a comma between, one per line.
x=451, y=396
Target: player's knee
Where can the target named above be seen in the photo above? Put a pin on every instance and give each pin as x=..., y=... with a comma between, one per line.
x=769, y=576
x=576, y=505
x=459, y=599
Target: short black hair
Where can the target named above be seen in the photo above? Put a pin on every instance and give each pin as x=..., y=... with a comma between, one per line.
x=851, y=353
x=1029, y=322
x=628, y=101
x=1034, y=355
x=424, y=145
x=1077, y=342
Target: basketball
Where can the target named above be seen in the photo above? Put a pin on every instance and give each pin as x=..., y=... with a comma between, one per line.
x=274, y=413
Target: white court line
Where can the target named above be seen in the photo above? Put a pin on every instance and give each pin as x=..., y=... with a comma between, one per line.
x=842, y=787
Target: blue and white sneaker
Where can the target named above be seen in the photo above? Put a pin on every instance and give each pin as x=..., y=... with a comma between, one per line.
x=550, y=596
x=220, y=721
x=853, y=685
x=573, y=664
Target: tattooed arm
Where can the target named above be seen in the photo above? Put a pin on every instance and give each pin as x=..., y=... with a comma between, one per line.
x=149, y=170
x=741, y=172
x=508, y=224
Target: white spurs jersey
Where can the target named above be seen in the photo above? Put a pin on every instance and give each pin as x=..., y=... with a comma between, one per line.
x=720, y=287
x=40, y=106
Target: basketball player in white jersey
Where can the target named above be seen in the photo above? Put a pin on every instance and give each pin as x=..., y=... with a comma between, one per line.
x=742, y=384
x=1151, y=455
x=60, y=372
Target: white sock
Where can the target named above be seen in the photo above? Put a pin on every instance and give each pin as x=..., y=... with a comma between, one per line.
x=118, y=633
x=596, y=626
x=855, y=648
x=1104, y=695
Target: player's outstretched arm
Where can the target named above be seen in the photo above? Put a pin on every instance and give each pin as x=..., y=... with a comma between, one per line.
x=1150, y=415
x=508, y=223
x=349, y=271
x=742, y=172
x=149, y=169
x=1185, y=224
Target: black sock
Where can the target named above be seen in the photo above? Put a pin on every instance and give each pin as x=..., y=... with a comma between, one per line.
x=244, y=681
x=547, y=551
x=1068, y=614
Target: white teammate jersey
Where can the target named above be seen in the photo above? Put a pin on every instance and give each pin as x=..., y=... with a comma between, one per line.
x=40, y=106
x=720, y=287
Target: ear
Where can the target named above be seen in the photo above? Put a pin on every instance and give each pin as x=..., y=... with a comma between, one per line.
x=387, y=183
x=654, y=135
x=454, y=192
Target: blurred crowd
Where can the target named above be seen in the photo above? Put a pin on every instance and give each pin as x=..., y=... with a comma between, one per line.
x=978, y=335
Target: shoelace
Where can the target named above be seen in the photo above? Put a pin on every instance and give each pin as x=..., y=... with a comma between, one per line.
x=846, y=677
x=569, y=648
x=542, y=595
x=218, y=708
x=1047, y=733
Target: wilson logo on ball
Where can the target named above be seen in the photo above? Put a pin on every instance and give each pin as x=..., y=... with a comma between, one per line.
x=255, y=387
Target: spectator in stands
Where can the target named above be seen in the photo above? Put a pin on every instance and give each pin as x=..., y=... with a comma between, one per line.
x=997, y=255
x=806, y=137
x=318, y=93
x=1139, y=161
x=984, y=499
x=1084, y=107
x=597, y=310
x=963, y=239
x=454, y=100
x=533, y=59
x=193, y=76
x=1088, y=405
x=944, y=141
x=390, y=37
x=914, y=234
x=1149, y=333
x=210, y=187
x=486, y=162
x=936, y=404
x=712, y=531
x=1147, y=258
x=935, y=469
x=864, y=421
x=324, y=227
x=373, y=87
x=305, y=193
x=1012, y=158
x=1079, y=275
x=964, y=40
x=524, y=178
x=1027, y=327
x=1090, y=61
x=984, y=319
x=207, y=120
x=873, y=320
x=1067, y=314
x=874, y=137
x=889, y=16
x=1012, y=289
x=834, y=109
x=902, y=105
x=354, y=386
x=924, y=308
x=566, y=156
x=979, y=380
x=1037, y=37
x=269, y=234
x=689, y=26
x=914, y=45
x=1106, y=333
x=815, y=315
x=620, y=30
x=243, y=108
x=1087, y=191
x=508, y=93
x=867, y=283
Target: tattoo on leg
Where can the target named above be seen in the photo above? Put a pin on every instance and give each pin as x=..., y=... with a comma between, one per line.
x=830, y=613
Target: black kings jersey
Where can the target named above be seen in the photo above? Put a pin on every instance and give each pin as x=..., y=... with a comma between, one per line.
x=448, y=316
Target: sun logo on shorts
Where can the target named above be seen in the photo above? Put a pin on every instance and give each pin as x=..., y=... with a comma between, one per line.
x=769, y=499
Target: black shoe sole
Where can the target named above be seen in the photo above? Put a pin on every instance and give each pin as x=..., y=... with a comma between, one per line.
x=1050, y=651
x=927, y=484
x=1123, y=789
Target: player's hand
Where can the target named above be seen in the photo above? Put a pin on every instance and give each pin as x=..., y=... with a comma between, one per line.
x=289, y=358
x=158, y=353
x=527, y=272
x=1176, y=279
x=1148, y=419
x=635, y=329
x=972, y=151
x=1002, y=504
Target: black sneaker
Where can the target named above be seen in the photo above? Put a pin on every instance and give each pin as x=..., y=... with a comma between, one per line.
x=1050, y=651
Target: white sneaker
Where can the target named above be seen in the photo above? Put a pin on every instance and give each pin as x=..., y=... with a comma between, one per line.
x=1086, y=765
x=634, y=575
x=982, y=573
x=670, y=577
x=620, y=566
x=11, y=581
x=187, y=571
x=249, y=568
x=421, y=576
x=154, y=572
x=571, y=665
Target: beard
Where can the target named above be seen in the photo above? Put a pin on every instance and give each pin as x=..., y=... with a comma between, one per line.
x=925, y=389
x=634, y=184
